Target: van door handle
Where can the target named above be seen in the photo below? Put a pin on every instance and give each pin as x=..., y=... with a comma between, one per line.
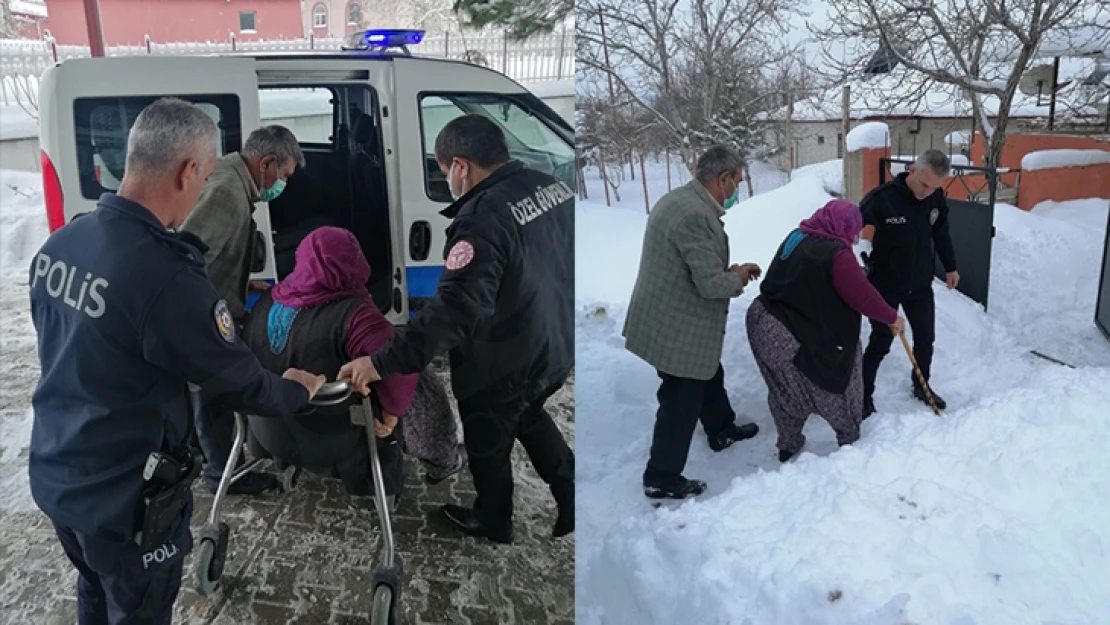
x=420, y=240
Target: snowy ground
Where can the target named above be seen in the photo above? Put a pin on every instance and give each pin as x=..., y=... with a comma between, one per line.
x=995, y=514
x=302, y=557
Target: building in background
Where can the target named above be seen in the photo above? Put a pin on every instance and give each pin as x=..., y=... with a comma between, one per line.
x=128, y=22
x=22, y=19
x=339, y=18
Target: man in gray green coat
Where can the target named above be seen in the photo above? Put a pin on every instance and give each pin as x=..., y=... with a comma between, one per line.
x=676, y=319
x=223, y=219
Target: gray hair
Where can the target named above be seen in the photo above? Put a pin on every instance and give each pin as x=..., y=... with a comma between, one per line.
x=716, y=160
x=935, y=160
x=276, y=140
x=167, y=133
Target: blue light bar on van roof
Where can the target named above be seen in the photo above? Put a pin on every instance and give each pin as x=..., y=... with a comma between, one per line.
x=383, y=38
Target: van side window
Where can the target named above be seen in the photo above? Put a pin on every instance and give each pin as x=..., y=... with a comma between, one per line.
x=310, y=112
x=530, y=137
x=102, y=125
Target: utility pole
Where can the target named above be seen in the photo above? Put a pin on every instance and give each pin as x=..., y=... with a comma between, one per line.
x=92, y=22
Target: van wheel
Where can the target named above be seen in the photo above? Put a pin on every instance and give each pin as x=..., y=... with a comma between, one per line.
x=208, y=581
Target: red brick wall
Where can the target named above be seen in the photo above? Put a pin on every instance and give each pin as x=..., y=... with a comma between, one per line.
x=125, y=22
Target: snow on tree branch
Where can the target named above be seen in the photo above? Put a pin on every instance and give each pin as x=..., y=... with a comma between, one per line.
x=521, y=18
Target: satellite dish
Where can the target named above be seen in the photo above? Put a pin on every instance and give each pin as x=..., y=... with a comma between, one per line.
x=1036, y=81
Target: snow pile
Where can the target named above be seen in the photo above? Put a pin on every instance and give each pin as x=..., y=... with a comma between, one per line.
x=16, y=123
x=988, y=516
x=925, y=520
x=958, y=137
x=22, y=222
x=1048, y=159
x=868, y=135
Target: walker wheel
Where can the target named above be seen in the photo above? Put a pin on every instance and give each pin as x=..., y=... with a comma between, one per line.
x=289, y=478
x=381, y=608
x=208, y=580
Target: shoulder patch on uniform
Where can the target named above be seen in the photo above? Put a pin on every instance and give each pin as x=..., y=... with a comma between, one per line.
x=225, y=325
x=460, y=255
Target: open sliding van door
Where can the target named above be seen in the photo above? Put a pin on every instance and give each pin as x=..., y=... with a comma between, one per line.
x=87, y=107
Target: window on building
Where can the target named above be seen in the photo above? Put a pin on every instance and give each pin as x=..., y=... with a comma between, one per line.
x=102, y=125
x=354, y=14
x=529, y=138
x=309, y=112
x=820, y=139
x=320, y=16
x=839, y=145
x=246, y=22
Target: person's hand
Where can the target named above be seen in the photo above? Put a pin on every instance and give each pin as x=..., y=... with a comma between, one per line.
x=952, y=279
x=258, y=286
x=747, y=272
x=385, y=427
x=312, y=383
x=360, y=373
x=899, y=326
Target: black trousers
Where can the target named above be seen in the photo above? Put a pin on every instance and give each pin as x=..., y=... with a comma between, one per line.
x=214, y=424
x=682, y=403
x=114, y=588
x=919, y=309
x=490, y=429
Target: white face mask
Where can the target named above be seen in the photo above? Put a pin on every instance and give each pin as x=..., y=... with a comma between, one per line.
x=451, y=187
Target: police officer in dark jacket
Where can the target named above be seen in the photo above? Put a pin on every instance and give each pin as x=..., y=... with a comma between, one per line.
x=126, y=320
x=504, y=311
x=905, y=219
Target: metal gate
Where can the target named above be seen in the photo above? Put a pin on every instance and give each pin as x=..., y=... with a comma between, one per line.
x=970, y=224
x=1102, y=306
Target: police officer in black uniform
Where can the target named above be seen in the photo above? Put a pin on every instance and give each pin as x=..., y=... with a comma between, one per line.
x=908, y=217
x=504, y=309
x=126, y=319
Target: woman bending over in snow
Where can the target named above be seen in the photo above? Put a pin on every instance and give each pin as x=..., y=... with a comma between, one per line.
x=804, y=327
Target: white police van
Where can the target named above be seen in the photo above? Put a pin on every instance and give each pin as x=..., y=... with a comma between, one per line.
x=366, y=119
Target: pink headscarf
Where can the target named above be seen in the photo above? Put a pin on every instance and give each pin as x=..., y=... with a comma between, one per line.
x=330, y=266
x=839, y=220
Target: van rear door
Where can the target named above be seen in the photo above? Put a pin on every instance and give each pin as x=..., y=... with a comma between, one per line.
x=87, y=107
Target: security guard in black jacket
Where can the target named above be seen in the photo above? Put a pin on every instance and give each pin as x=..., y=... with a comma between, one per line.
x=126, y=319
x=504, y=309
x=905, y=218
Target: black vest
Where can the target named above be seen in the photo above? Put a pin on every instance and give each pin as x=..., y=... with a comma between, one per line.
x=798, y=291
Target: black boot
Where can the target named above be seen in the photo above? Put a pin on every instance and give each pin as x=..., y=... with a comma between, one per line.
x=919, y=393
x=732, y=434
x=434, y=474
x=677, y=488
x=564, y=497
x=467, y=522
x=787, y=456
x=868, y=407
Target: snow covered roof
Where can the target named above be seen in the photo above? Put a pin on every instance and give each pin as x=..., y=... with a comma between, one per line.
x=899, y=93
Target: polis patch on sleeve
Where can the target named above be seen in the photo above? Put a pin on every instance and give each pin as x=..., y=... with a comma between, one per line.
x=224, y=323
x=460, y=256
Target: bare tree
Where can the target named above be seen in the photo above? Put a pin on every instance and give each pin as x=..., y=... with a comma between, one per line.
x=980, y=47
x=687, y=65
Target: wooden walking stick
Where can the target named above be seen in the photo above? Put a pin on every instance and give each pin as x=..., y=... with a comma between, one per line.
x=920, y=376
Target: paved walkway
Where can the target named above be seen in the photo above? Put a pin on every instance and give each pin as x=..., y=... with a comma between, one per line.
x=303, y=557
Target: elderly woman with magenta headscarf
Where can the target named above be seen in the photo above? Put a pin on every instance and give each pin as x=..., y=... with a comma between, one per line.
x=804, y=327
x=322, y=314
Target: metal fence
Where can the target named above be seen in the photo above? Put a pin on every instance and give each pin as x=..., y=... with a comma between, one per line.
x=547, y=57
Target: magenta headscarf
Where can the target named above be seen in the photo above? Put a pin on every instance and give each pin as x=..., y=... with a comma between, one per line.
x=330, y=266
x=839, y=220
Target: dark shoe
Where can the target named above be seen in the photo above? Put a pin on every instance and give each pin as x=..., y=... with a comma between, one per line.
x=679, y=488
x=434, y=474
x=919, y=393
x=787, y=456
x=564, y=524
x=464, y=520
x=868, y=407
x=253, y=483
x=732, y=434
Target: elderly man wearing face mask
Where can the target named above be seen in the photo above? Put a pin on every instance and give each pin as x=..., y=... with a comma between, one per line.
x=504, y=310
x=223, y=219
x=676, y=319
